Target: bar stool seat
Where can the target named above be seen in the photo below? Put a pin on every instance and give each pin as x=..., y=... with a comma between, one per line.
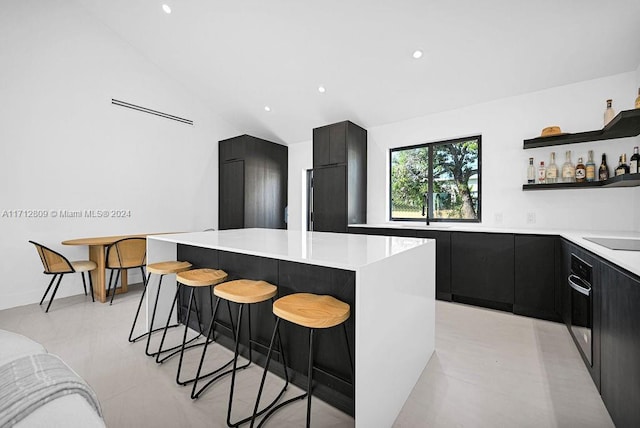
x=242, y=292
x=166, y=268
x=245, y=291
x=162, y=269
x=194, y=279
x=312, y=311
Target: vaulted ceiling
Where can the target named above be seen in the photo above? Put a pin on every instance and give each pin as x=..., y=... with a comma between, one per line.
x=240, y=56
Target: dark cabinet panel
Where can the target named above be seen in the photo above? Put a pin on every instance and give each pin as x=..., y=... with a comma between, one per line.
x=329, y=199
x=482, y=268
x=410, y=233
x=443, y=261
x=330, y=144
x=536, y=290
x=264, y=183
x=341, y=144
x=620, y=345
x=231, y=208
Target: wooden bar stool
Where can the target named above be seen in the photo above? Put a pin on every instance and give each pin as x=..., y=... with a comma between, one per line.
x=162, y=269
x=193, y=279
x=242, y=292
x=313, y=312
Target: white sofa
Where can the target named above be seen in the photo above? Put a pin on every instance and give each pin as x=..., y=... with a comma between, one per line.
x=67, y=411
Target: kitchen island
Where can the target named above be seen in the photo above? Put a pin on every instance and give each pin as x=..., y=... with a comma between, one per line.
x=388, y=281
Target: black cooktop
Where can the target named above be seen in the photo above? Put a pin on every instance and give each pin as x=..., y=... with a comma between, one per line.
x=617, y=243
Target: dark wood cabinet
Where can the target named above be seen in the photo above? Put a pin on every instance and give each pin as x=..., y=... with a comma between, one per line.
x=252, y=183
x=443, y=261
x=620, y=345
x=339, y=177
x=536, y=292
x=482, y=269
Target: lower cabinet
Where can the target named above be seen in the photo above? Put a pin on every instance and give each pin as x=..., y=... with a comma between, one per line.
x=620, y=345
x=537, y=292
x=482, y=266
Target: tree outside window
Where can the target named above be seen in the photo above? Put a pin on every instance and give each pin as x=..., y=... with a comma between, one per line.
x=444, y=173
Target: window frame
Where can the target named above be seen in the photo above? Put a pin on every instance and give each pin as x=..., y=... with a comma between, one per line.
x=430, y=146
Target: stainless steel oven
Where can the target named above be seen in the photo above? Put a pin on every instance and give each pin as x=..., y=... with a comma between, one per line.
x=580, y=281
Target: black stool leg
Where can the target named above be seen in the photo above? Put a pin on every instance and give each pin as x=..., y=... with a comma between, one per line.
x=270, y=408
x=310, y=377
x=48, y=288
x=195, y=394
x=84, y=283
x=135, y=320
x=164, y=334
x=184, y=338
x=54, y=292
x=346, y=338
x=93, y=298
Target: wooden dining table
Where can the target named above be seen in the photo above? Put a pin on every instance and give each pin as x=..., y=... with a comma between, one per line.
x=97, y=253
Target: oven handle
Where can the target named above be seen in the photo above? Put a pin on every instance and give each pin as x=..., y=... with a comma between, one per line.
x=579, y=288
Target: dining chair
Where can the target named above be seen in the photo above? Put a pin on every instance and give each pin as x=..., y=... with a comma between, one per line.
x=124, y=254
x=58, y=265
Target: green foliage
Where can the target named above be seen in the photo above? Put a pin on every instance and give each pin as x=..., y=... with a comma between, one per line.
x=453, y=166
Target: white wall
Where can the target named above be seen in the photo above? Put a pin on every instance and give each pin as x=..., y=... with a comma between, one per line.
x=300, y=160
x=504, y=124
x=64, y=146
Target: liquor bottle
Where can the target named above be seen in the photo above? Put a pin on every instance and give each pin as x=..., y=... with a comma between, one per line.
x=591, y=167
x=638, y=99
x=568, y=170
x=609, y=113
x=552, y=170
x=634, y=162
x=542, y=173
x=581, y=171
x=603, y=172
x=622, y=168
x=531, y=172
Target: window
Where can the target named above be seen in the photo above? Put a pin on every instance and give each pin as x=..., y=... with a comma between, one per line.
x=446, y=173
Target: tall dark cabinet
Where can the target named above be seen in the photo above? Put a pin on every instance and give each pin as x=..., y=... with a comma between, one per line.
x=339, y=176
x=252, y=183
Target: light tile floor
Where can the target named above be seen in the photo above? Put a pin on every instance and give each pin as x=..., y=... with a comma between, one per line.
x=490, y=369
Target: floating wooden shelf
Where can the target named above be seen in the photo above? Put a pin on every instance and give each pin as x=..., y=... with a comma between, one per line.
x=627, y=180
x=625, y=124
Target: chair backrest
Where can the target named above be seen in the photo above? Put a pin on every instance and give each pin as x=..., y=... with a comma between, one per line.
x=53, y=261
x=127, y=253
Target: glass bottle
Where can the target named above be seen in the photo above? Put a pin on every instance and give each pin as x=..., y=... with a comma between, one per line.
x=603, y=171
x=581, y=171
x=622, y=168
x=609, y=113
x=531, y=172
x=552, y=170
x=568, y=170
x=591, y=167
x=638, y=99
x=542, y=173
x=634, y=162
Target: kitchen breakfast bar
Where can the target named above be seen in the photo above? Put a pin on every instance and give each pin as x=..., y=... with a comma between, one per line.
x=389, y=283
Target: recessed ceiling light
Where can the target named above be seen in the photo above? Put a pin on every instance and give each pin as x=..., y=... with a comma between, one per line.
x=267, y=108
x=417, y=53
x=321, y=89
x=166, y=8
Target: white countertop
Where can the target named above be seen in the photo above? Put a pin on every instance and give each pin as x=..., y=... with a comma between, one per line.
x=629, y=260
x=337, y=250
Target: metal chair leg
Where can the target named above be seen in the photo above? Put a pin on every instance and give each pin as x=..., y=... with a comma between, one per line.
x=310, y=377
x=48, y=288
x=184, y=338
x=54, y=292
x=164, y=334
x=115, y=286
